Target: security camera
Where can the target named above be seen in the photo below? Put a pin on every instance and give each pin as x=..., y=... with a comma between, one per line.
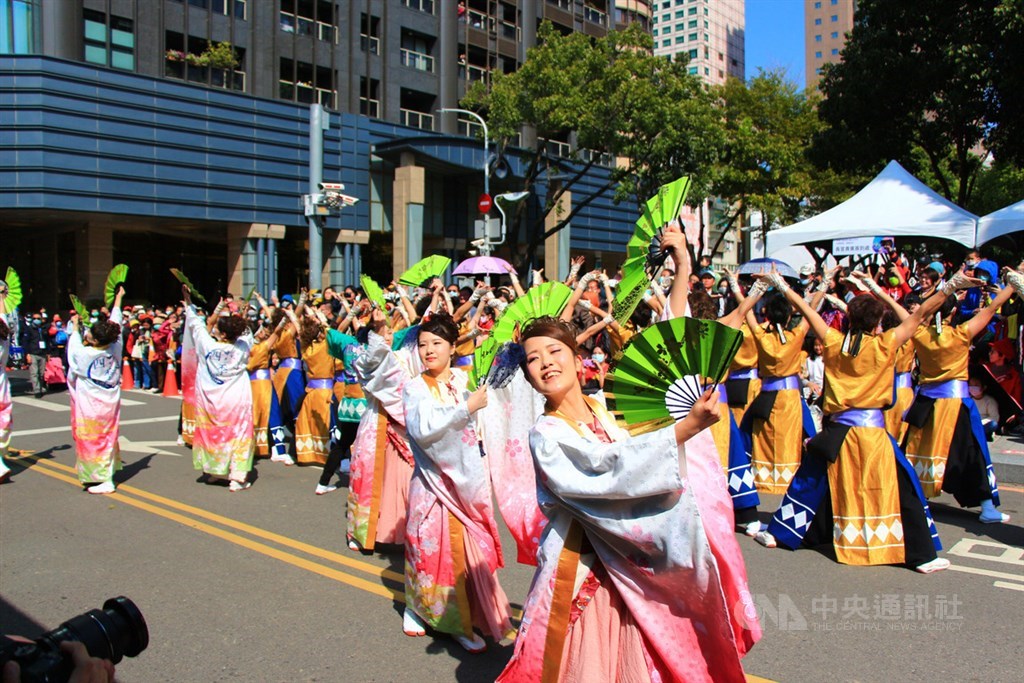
x=479, y=243
x=331, y=187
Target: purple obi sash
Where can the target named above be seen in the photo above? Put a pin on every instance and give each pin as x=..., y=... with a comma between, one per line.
x=749, y=373
x=292, y=363
x=951, y=388
x=780, y=383
x=320, y=383
x=262, y=373
x=904, y=380
x=858, y=417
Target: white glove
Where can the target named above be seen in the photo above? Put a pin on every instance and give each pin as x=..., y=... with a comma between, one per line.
x=1016, y=280
x=585, y=304
x=585, y=280
x=759, y=288
x=776, y=281
x=608, y=319
x=958, y=281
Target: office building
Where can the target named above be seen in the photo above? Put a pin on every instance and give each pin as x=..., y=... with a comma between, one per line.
x=709, y=34
x=826, y=23
x=166, y=133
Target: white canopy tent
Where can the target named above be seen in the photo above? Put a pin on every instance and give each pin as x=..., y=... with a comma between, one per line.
x=1002, y=222
x=894, y=204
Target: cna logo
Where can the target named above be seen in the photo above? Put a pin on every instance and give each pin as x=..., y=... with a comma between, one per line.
x=782, y=612
x=220, y=363
x=104, y=371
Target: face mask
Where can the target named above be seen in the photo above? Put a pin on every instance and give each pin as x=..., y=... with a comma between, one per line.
x=37, y=322
x=598, y=357
x=894, y=281
x=44, y=315
x=723, y=290
x=168, y=311
x=975, y=392
x=157, y=326
x=970, y=263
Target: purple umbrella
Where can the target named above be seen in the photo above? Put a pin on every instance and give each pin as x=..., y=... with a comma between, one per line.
x=483, y=264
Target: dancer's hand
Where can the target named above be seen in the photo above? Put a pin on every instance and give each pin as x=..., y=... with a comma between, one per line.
x=704, y=413
x=477, y=400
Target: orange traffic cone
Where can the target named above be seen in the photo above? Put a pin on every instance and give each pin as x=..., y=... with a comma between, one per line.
x=171, y=382
x=127, y=380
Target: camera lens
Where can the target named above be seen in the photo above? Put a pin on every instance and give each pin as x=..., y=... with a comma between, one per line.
x=111, y=633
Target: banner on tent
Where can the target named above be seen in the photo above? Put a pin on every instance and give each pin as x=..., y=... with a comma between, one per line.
x=856, y=246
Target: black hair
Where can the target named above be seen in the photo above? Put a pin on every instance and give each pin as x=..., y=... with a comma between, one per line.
x=309, y=330
x=777, y=310
x=702, y=306
x=442, y=325
x=864, y=314
x=104, y=331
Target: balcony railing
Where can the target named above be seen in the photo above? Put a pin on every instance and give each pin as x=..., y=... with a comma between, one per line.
x=369, y=43
x=303, y=26
x=558, y=149
x=421, y=5
x=478, y=19
x=510, y=30
x=470, y=129
x=595, y=16
x=562, y=4
x=417, y=60
x=368, y=107
x=325, y=97
x=417, y=119
x=476, y=73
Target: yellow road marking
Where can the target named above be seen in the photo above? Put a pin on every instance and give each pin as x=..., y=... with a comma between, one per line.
x=328, y=572
x=249, y=529
x=261, y=548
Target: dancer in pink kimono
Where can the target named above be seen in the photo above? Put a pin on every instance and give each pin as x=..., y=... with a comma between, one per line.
x=452, y=550
x=94, y=385
x=222, y=446
x=5, y=392
x=627, y=587
x=382, y=461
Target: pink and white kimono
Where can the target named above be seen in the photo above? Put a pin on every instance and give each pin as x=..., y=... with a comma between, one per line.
x=223, y=441
x=628, y=586
x=5, y=404
x=452, y=550
x=382, y=461
x=189, y=365
x=94, y=385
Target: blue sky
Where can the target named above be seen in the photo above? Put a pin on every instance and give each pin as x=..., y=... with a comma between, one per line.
x=775, y=37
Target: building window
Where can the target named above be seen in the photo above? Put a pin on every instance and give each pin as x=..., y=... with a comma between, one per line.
x=666, y=43
x=834, y=18
x=817, y=38
x=369, y=97
x=666, y=17
x=680, y=14
x=198, y=61
x=691, y=11
x=110, y=44
x=655, y=33
x=835, y=2
x=369, y=36
x=693, y=54
x=692, y=71
x=692, y=23
x=707, y=71
x=817, y=5
x=309, y=19
x=817, y=22
x=834, y=34
x=817, y=55
x=835, y=51
x=302, y=82
x=679, y=40
x=19, y=26
x=693, y=36
x=666, y=30
x=421, y=5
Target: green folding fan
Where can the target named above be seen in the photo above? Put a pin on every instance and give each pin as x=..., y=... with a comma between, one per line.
x=544, y=299
x=10, y=290
x=191, y=288
x=80, y=309
x=483, y=356
x=664, y=370
x=373, y=291
x=644, y=254
x=425, y=270
x=117, y=276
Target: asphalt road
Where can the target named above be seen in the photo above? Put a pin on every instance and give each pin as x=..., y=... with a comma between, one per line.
x=259, y=585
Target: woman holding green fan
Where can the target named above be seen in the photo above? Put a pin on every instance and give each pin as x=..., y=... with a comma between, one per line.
x=628, y=585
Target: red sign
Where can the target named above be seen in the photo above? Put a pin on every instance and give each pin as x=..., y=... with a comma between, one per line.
x=484, y=203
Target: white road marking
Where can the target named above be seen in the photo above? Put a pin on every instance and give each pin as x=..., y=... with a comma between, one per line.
x=146, y=447
x=42, y=405
x=1008, y=554
x=1011, y=586
x=67, y=428
x=986, y=572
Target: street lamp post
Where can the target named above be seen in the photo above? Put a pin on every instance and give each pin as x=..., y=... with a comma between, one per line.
x=487, y=175
x=510, y=197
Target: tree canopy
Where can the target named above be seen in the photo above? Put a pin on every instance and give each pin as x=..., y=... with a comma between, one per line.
x=937, y=85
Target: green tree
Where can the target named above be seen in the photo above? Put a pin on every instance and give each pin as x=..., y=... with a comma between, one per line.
x=921, y=82
x=769, y=125
x=617, y=99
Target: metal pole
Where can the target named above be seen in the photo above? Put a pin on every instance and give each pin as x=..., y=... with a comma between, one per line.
x=271, y=267
x=260, y=253
x=316, y=176
x=487, y=176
